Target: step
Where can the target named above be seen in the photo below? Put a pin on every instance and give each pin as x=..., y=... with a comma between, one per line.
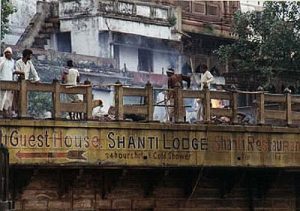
x=48, y=25
x=44, y=36
x=52, y=20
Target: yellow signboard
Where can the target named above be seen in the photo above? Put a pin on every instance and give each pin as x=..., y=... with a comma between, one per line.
x=132, y=144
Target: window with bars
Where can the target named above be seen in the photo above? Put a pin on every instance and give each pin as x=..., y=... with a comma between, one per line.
x=199, y=8
x=145, y=59
x=185, y=5
x=212, y=10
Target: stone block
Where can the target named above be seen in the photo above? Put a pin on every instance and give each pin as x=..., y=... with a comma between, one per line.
x=281, y=203
x=121, y=204
x=64, y=205
x=104, y=204
x=170, y=202
x=18, y=205
x=35, y=205
x=82, y=203
x=143, y=204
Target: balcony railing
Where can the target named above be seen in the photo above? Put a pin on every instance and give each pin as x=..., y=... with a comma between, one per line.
x=22, y=87
x=270, y=108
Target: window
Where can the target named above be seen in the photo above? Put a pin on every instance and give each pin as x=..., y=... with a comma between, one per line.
x=212, y=10
x=63, y=41
x=199, y=8
x=185, y=5
x=145, y=60
x=205, y=8
x=104, y=44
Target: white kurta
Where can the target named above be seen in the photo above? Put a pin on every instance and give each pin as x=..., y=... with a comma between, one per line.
x=160, y=113
x=72, y=76
x=27, y=69
x=6, y=74
x=207, y=78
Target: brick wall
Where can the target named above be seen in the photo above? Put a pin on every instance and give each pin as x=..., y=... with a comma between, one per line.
x=156, y=189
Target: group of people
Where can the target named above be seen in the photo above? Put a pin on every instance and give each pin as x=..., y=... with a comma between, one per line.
x=11, y=70
x=199, y=78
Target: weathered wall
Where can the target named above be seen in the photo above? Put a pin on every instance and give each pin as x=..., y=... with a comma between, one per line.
x=86, y=18
x=84, y=35
x=125, y=144
x=164, y=61
x=128, y=56
x=87, y=29
x=155, y=189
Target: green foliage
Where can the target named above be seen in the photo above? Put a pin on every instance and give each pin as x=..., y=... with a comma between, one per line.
x=6, y=9
x=268, y=42
x=208, y=28
x=172, y=20
x=39, y=103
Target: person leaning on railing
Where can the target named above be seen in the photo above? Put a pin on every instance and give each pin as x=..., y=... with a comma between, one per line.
x=70, y=77
x=24, y=68
x=174, y=80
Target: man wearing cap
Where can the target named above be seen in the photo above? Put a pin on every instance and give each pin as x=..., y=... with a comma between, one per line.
x=7, y=65
x=175, y=80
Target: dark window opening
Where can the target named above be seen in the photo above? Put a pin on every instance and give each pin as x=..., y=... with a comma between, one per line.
x=63, y=40
x=212, y=10
x=117, y=55
x=199, y=8
x=145, y=60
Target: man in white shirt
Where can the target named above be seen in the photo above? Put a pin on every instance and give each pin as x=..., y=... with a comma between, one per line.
x=7, y=65
x=70, y=76
x=25, y=67
x=206, y=77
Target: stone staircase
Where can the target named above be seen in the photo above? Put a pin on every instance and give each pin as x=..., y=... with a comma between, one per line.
x=44, y=23
x=50, y=26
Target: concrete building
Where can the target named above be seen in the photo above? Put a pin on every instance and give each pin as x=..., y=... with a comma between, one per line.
x=140, y=36
x=143, y=36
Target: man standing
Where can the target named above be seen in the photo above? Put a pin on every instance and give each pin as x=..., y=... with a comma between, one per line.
x=24, y=66
x=174, y=80
x=177, y=79
x=70, y=76
x=206, y=77
x=7, y=65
